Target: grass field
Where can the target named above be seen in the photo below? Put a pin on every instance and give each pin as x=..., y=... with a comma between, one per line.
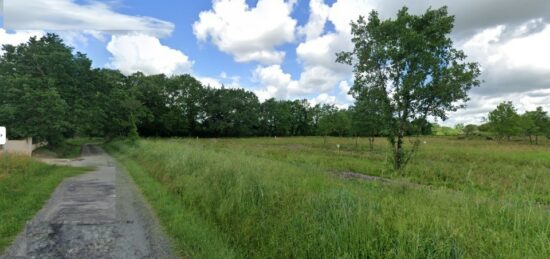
x=25, y=185
x=286, y=198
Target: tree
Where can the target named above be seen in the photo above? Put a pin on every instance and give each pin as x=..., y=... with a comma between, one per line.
x=534, y=123
x=326, y=120
x=460, y=127
x=504, y=121
x=40, y=81
x=120, y=105
x=470, y=129
x=133, y=134
x=412, y=61
x=231, y=112
x=368, y=114
x=189, y=94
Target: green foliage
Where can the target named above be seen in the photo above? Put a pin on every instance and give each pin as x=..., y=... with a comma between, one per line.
x=470, y=130
x=133, y=135
x=535, y=123
x=369, y=117
x=439, y=130
x=50, y=94
x=231, y=112
x=505, y=121
x=270, y=198
x=411, y=61
x=333, y=121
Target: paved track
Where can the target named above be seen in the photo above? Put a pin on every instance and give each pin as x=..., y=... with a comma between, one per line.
x=96, y=215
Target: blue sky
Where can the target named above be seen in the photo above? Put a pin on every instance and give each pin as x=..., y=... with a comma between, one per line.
x=208, y=60
x=285, y=48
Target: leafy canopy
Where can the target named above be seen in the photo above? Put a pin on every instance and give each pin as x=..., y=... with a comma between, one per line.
x=411, y=61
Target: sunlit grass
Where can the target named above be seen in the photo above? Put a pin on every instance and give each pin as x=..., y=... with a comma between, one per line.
x=282, y=198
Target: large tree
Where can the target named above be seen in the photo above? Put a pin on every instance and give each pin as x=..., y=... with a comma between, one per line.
x=43, y=85
x=412, y=61
x=504, y=121
x=535, y=123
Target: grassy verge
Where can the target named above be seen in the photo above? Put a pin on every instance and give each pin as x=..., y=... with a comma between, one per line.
x=223, y=200
x=25, y=185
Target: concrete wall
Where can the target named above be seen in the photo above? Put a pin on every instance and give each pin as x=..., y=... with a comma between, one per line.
x=22, y=147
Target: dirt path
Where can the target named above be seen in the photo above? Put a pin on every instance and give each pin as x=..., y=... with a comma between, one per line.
x=96, y=215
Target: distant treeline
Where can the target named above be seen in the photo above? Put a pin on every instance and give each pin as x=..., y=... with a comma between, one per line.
x=51, y=94
x=503, y=123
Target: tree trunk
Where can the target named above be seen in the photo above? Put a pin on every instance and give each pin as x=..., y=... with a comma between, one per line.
x=398, y=156
x=536, y=139
x=530, y=139
x=371, y=143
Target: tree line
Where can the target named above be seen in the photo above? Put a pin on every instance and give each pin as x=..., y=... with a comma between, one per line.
x=505, y=122
x=406, y=70
x=50, y=93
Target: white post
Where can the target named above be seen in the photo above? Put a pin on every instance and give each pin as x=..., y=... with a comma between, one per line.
x=3, y=139
x=2, y=135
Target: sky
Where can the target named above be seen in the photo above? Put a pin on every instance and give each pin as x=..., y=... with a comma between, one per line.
x=286, y=48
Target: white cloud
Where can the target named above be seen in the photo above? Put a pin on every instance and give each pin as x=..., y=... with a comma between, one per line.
x=317, y=53
x=315, y=26
x=56, y=15
x=139, y=52
x=209, y=81
x=17, y=37
x=515, y=68
x=222, y=80
x=275, y=82
x=344, y=91
x=342, y=12
x=480, y=105
x=323, y=99
x=248, y=34
x=512, y=49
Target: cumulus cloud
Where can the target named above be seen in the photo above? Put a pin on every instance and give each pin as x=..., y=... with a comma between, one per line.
x=57, y=15
x=144, y=53
x=480, y=105
x=323, y=99
x=17, y=37
x=345, y=87
x=321, y=74
x=276, y=83
x=509, y=39
x=210, y=82
x=248, y=33
x=514, y=60
x=515, y=64
x=474, y=15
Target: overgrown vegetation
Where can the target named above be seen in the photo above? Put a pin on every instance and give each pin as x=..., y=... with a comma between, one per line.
x=286, y=197
x=24, y=187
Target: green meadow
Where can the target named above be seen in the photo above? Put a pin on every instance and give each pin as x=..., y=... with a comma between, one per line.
x=307, y=198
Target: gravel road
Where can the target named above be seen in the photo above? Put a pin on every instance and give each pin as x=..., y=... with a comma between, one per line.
x=100, y=214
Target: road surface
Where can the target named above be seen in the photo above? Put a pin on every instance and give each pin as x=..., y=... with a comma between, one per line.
x=100, y=214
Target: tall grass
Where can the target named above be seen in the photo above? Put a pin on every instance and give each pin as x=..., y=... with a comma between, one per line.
x=25, y=185
x=222, y=200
